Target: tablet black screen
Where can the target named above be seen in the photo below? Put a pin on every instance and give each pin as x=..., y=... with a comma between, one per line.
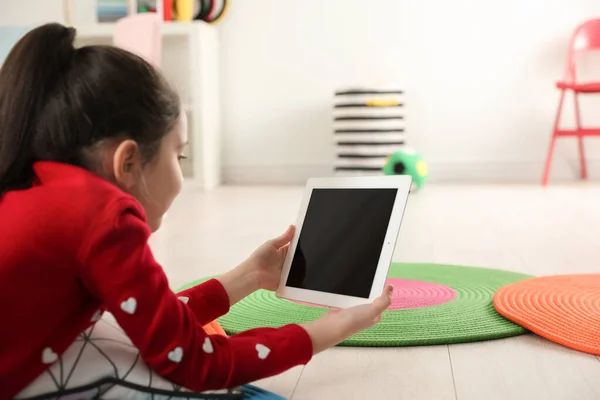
x=341, y=240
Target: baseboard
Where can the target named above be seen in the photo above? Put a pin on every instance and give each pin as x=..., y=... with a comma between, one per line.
x=273, y=175
x=443, y=172
x=507, y=172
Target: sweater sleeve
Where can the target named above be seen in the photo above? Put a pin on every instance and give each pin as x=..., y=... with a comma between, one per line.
x=120, y=270
x=208, y=300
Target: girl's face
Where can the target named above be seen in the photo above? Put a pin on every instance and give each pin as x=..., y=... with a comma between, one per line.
x=162, y=179
x=155, y=184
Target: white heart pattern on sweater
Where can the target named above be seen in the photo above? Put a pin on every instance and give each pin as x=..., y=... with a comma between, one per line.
x=129, y=305
x=263, y=351
x=184, y=299
x=207, y=346
x=48, y=356
x=176, y=355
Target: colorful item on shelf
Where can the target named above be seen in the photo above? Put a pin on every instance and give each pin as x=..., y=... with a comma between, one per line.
x=167, y=10
x=112, y=10
x=209, y=10
x=202, y=9
x=217, y=11
x=150, y=6
x=170, y=10
x=183, y=10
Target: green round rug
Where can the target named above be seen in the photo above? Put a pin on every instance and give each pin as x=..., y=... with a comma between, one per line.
x=433, y=304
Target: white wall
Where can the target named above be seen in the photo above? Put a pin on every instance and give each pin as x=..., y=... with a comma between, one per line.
x=31, y=12
x=479, y=77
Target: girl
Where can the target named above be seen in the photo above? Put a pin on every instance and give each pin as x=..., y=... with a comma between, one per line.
x=90, y=140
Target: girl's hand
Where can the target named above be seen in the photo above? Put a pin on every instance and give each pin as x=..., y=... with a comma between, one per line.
x=361, y=317
x=262, y=270
x=267, y=261
x=337, y=325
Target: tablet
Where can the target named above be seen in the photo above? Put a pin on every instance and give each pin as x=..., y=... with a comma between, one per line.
x=345, y=237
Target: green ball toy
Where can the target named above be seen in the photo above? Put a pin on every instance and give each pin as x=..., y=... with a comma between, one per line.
x=407, y=162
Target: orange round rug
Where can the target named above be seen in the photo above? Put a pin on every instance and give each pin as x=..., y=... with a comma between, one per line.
x=564, y=309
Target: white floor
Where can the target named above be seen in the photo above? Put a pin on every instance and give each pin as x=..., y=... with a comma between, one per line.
x=520, y=228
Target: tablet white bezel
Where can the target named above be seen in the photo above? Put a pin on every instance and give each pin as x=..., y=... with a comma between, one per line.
x=400, y=182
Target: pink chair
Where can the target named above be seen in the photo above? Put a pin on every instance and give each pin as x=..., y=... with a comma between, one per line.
x=141, y=35
x=585, y=38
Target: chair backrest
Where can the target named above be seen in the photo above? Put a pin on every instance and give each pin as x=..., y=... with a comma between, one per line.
x=586, y=38
x=141, y=35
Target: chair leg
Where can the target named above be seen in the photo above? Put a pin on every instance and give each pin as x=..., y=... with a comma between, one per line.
x=549, y=160
x=546, y=173
x=582, y=161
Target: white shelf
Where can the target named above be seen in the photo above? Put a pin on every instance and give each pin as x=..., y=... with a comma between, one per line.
x=107, y=29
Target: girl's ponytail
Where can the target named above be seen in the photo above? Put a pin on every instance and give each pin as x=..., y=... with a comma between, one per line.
x=58, y=102
x=32, y=70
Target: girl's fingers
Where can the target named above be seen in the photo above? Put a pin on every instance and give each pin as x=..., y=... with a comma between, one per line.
x=389, y=289
x=285, y=238
x=384, y=301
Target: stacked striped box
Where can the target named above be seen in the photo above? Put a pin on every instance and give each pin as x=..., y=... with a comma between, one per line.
x=368, y=127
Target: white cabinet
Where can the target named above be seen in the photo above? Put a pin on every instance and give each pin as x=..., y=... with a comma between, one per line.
x=190, y=64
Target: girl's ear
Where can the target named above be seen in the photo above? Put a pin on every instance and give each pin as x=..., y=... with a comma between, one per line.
x=127, y=164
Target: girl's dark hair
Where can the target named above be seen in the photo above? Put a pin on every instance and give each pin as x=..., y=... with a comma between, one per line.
x=57, y=102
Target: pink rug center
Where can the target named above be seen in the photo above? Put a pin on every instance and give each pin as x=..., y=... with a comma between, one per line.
x=415, y=294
